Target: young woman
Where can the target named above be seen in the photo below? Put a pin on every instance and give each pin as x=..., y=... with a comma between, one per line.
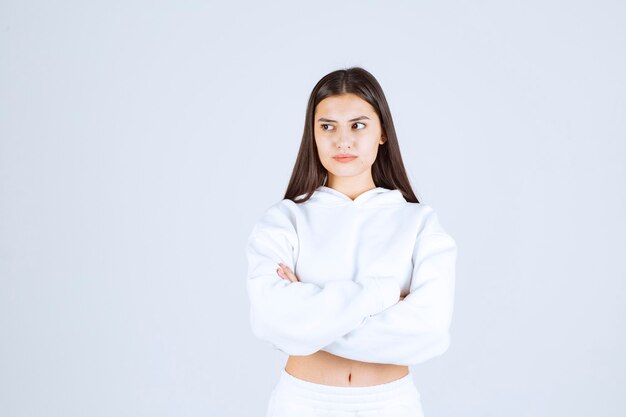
x=350, y=275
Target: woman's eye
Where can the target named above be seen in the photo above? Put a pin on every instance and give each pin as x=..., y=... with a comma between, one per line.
x=324, y=126
x=359, y=123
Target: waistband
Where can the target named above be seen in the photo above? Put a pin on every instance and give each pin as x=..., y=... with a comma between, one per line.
x=367, y=394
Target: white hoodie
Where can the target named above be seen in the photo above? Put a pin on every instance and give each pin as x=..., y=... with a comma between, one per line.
x=354, y=258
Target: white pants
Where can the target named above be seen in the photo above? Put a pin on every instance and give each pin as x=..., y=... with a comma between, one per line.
x=295, y=397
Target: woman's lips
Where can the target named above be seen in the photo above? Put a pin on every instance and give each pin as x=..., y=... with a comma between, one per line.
x=344, y=158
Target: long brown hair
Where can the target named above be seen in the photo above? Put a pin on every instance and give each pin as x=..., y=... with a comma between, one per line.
x=387, y=171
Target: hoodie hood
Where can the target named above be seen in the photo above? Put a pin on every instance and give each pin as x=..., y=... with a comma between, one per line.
x=330, y=197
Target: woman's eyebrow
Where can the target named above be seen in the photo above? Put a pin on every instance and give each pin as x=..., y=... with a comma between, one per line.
x=323, y=119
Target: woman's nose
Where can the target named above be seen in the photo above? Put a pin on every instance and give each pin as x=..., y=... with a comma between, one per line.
x=344, y=139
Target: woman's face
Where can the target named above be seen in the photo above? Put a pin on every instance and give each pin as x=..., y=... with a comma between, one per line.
x=347, y=125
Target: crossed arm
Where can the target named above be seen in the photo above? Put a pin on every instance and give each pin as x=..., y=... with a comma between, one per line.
x=366, y=320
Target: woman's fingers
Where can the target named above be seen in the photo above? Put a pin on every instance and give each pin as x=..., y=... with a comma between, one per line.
x=286, y=273
x=281, y=273
x=289, y=273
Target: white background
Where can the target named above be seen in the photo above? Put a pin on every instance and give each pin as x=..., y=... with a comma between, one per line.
x=140, y=141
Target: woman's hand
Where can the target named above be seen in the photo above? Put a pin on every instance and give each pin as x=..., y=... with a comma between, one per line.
x=286, y=273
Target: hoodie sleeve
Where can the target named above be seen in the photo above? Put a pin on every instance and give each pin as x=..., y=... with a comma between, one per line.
x=300, y=318
x=417, y=328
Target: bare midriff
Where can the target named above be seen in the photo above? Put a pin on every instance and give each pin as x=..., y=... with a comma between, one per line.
x=328, y=369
